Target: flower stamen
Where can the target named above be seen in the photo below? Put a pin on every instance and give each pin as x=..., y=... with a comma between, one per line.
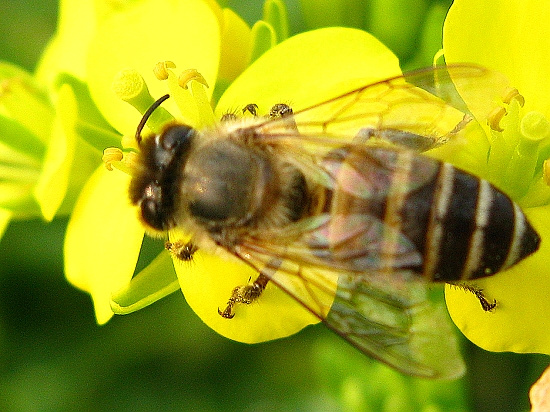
x=195, y=84
x=160, y=70
x=495, y=117
x=514, y=94
x=191, y=74
x=188, y=92
x=110, y=155
x=532, y=129
x=113, y=157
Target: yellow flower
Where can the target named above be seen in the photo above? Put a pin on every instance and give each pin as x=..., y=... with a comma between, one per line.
x=512, y=38
x=37, y=147
x=127, y=38
x=303, y=70
x=26, y=121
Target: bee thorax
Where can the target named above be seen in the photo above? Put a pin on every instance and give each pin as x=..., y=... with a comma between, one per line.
x=231, y=189
x=224, y=184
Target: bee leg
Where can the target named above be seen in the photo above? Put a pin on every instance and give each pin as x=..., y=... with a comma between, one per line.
x=251, y=108
x=485, y=304
x=228, y=117
x=244, y=294
x=283, y=111
x=280, y=110
x=181, y=250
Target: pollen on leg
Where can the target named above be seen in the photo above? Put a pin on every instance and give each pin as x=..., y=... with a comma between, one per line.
x=244, y=294
x=280, y=110
x=181, y=250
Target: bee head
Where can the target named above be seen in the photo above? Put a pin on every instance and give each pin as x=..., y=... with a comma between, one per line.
x=154, y=186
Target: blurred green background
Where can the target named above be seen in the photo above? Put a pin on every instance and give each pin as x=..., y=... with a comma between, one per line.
x=53, y=357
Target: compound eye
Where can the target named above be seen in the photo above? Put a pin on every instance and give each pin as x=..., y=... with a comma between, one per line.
x=176, y=136
x=151, y=208
x=150, y=213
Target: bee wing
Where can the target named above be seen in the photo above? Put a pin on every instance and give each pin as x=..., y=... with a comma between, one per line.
x=360, y=191
x=425, y=108
x=349, y=267
x=354, y=270
x=389, y=317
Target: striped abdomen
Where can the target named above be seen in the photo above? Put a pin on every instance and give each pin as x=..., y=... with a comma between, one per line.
x=424, y=215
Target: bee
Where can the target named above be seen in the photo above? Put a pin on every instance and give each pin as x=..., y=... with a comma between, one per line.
x=344, y=186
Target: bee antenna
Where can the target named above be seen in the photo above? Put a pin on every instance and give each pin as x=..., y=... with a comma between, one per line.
x=146, y=116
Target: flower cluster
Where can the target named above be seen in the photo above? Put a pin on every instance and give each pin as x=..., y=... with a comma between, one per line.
x=108, y=63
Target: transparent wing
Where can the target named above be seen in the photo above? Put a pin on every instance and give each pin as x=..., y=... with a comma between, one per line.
x=391, y=318
x=347, y=265
x=387, y=316
x=434, y=103
x=355, y=226
x=355, y=272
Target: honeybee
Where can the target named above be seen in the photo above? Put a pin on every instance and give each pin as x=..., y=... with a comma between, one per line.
x=343, y=186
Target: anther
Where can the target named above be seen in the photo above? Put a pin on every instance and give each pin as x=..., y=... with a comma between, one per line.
x=110, y=155
x=495, y=117
x=191, y=74
x=512, y=94
x=114, y=158
x=160, y=70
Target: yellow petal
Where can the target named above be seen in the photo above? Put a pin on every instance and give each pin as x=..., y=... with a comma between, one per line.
x=207, y=283
x=520, y=322
x=143, y=34
x=507, y=36
x=52, y=185
x=67, y=50
x=103, y=239
x=309, y=68
x=235, y=46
